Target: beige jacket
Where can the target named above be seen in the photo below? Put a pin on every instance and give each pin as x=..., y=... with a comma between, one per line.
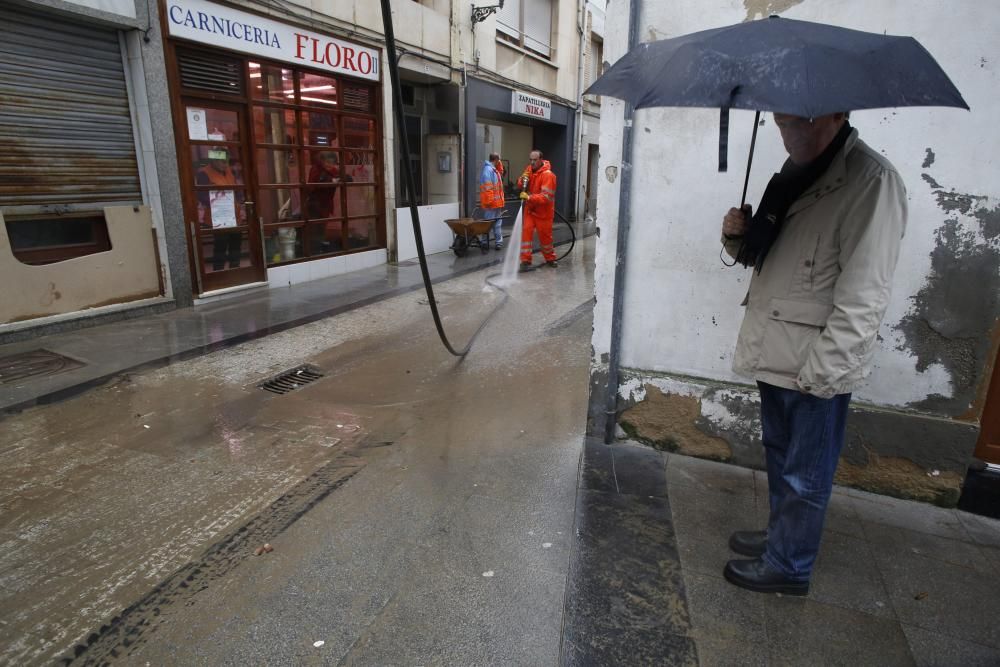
x=814, y=310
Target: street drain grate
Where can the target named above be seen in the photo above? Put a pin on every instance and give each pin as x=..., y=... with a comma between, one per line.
x=36, y=363
x=291, y=380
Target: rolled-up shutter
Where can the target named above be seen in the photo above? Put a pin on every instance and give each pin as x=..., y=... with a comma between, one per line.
x=66, y=141
x=509, y=19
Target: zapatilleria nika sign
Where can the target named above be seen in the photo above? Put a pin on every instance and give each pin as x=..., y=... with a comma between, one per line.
x=530, y=105
x=228, y=28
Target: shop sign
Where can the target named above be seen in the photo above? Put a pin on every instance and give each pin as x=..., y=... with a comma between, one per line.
x=530, y=105
x=208, y=23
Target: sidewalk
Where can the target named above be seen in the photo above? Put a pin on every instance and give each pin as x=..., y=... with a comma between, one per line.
x=896, y=583
x=104, y=351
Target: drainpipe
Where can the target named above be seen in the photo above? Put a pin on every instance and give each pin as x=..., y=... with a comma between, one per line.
x=581, y=24
x=624, y=224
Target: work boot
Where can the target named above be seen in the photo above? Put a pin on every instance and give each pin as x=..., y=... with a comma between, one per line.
x=551, y=263
x=750, y=543
x=525, y=266
x=498, y=246
x=756, y=575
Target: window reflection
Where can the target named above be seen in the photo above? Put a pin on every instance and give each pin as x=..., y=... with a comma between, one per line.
x=274, y=166
x=272, y=125
x=283, y=244
x=319, y=129
x=225, y=250
x=361, y=233
x=359, y=133
x=315, y=89
x=359, y=166
x=360, y=200
x=325, y=238
x=279, y=204
x=272, y=83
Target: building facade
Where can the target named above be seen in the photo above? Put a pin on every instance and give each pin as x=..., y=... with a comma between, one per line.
x=928, y=406
x=172, y=152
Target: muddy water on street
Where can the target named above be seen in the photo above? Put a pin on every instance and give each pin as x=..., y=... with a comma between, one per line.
x=104, y=497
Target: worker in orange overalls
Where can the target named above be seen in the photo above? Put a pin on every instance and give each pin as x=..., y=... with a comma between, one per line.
x=539, y=198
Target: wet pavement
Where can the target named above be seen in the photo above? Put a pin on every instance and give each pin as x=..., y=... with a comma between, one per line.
x=96, y=354
x=425, y=510
x=403, y=485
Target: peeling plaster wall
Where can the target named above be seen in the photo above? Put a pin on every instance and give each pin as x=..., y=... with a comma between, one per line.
x=886, y=451
x=681, y=305
x=937, y=337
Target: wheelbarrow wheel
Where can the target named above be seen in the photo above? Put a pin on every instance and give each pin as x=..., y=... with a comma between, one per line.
x=460, y=246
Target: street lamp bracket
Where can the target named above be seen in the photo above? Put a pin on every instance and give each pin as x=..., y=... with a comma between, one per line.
x=479, y=14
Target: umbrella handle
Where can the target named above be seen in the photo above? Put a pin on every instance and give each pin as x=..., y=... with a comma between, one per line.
x=753, y=142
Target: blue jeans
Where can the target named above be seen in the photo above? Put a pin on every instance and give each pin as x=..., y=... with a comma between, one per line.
x=803, y=436
x=494, y=214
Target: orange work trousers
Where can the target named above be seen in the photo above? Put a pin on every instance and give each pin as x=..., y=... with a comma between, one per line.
x=544, y=227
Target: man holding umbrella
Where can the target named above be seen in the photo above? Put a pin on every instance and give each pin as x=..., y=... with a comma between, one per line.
x=813, y=310
x=823, y=242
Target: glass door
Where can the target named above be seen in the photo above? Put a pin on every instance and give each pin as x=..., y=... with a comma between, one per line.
x=223, y=225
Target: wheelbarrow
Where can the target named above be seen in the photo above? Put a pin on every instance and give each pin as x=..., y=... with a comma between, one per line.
x=468, y=233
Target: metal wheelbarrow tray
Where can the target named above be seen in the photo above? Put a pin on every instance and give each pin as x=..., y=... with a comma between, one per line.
x=468, y=232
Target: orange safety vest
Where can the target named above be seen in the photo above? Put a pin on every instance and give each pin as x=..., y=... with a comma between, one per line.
x=542, y=188
x=490, y=187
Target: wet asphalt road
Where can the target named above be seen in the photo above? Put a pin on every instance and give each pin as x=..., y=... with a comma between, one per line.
x=420, y=508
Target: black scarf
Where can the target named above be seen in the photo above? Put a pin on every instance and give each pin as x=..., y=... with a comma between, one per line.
x=783, y=189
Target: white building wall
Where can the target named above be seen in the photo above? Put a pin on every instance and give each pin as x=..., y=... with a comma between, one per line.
x=681, y=308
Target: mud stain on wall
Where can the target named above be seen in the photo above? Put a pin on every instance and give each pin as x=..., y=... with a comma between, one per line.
x=670, y=422
x=901, y=478
x=952, y=317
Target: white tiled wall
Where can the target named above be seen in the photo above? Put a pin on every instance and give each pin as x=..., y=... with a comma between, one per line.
x=284, y=276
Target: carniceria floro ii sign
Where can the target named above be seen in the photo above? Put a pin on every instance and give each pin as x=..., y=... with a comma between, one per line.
x=216, y=25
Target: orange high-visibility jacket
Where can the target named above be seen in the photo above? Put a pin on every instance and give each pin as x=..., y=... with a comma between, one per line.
x=490, y=187
x=542, y=188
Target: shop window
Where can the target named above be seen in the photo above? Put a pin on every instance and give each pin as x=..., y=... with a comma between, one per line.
x=224, y=250
x=277, y=167
x=361, y=233
x=317, y=90
x=218, y=177
x=270, y=82
x=360, y=200
x=279, y=204
x=359, y=166
x=273, y=125
x=325, y=237
x=46, y=240
x=212, y=124
x=217, y=165
x=308, y=183
x=527, y=24
x=319, y=129
x=360, y=133
x=283, y=244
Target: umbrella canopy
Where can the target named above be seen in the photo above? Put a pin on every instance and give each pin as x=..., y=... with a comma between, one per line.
x=784, y=65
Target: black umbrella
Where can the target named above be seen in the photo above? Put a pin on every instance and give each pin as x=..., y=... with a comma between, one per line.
x=783, y=65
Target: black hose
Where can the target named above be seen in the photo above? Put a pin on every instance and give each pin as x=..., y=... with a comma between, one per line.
x=397, y=99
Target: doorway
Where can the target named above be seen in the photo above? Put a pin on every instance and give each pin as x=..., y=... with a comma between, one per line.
x=222, y=220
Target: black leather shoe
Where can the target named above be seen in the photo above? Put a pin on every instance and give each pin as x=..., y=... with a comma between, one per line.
x=756, y=575
x=750, y=543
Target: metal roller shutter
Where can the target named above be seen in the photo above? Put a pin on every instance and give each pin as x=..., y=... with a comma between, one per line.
x=65, y=127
